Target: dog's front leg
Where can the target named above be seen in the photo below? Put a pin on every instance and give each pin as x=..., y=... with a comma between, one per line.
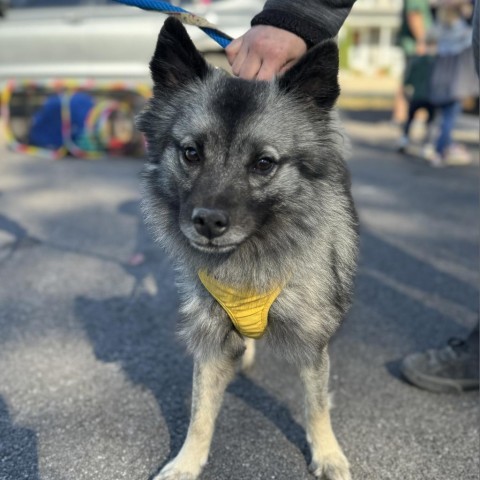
x=328, y=460
x=210, y=379
x=248, y=357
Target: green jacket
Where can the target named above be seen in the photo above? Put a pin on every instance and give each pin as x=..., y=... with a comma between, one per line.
x=406, y=39
x=419, y=75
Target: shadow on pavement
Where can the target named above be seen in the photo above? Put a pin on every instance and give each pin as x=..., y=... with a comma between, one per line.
x=138, y=332
x=370, y=116
x=415, y=274
x=393, y=368
x=18, y=449
x=401, y=290
x=19, y=237
x=12, y=227
x=276, y=412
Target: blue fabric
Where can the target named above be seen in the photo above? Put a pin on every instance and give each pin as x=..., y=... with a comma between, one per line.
x=46, y=128
x=449, y=116
x=221, y=38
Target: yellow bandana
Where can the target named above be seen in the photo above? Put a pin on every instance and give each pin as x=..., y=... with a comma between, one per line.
x=247, y=309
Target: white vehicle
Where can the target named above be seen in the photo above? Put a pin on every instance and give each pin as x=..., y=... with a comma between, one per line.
x=98, y=39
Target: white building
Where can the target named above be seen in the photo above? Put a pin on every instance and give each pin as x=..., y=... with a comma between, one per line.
x=369, y=38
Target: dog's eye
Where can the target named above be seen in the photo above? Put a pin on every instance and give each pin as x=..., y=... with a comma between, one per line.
x=191, y=155
x=263, y=165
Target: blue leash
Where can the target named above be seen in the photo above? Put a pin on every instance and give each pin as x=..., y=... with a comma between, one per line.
x=184, y=16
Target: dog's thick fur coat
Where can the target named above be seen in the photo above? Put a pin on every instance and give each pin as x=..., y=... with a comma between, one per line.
x=269, y=156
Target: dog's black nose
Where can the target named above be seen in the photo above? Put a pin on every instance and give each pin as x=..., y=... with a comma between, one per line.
x=210, y=222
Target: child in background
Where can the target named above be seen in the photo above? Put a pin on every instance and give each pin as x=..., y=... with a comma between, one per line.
x=417, y=91
x=453, y=78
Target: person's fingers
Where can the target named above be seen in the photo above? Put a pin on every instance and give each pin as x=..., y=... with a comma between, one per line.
x=267, y=71
x=271, y=69
x=287, y=66
x=264, y=52
x=239, y=59
x=250, y=67
x=233, y=48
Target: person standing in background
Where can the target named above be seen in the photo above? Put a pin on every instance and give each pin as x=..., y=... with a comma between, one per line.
x=453, y=77
x=417, y=91
x=416, y=21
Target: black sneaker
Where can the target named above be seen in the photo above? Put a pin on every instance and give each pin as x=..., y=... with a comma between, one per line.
x=452, y=369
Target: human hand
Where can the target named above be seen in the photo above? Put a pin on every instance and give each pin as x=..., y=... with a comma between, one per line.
x=264, y=52
x=421, y=48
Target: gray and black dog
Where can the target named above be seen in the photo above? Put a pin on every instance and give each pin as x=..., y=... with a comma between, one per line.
x=246, y=182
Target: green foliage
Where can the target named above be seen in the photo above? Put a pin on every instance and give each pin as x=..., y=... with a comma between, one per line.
x=344, y=44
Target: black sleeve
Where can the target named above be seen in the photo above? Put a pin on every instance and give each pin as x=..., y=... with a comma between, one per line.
x=476, y=25
x=312, y=20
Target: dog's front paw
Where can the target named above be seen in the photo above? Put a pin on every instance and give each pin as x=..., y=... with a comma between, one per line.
x=178, y=470
x=333, y=466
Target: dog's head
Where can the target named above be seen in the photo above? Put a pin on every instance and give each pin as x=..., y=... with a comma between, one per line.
x=231, y=158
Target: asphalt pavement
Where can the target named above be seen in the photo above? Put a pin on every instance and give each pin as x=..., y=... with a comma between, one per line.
x=93, y=384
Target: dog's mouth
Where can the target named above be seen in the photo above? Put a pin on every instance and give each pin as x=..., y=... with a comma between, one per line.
x=217, y=245
x=212, y=247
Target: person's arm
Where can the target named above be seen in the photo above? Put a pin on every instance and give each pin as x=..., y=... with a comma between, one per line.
x=476, y=26
x=416, y=24
x=281, y=34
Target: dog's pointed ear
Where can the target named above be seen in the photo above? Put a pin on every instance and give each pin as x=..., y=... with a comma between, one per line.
x=176, y=61
x=315, y=75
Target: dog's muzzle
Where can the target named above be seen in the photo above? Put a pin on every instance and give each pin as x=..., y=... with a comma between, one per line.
x=209, y=222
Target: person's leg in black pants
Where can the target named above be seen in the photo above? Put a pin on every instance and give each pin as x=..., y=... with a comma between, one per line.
x=413, y=106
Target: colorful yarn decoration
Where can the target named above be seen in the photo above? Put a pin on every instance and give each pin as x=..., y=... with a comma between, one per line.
x=71, y=146
x=97, y=131
x=12, y=143
x=64, y=88
x=184, y=16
